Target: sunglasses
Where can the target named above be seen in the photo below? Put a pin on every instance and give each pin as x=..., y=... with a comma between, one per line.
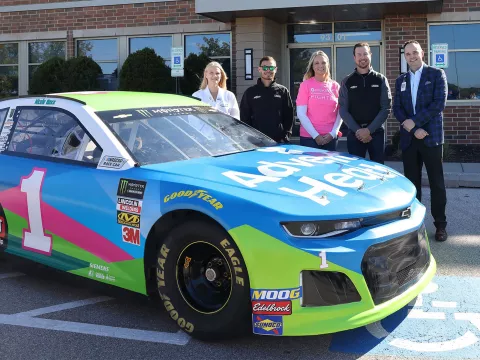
x=266, y=68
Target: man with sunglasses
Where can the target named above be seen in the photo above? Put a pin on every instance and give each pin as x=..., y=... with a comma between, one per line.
x=267, y=106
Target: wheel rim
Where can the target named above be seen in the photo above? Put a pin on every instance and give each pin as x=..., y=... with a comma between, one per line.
x=204, y=277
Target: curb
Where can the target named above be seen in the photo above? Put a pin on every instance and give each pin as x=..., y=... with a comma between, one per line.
x=457, y=180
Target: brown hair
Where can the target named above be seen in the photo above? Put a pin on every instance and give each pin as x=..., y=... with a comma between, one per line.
x=411, y=42
x=310, y=72
x=266, y=58
x=362, y=44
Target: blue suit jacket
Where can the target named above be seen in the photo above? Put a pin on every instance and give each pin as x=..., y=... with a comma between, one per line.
x=431, y=100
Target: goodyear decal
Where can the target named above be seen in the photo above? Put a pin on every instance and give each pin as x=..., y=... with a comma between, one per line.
x=200, y=194
x=268, y=325
x=276, y=294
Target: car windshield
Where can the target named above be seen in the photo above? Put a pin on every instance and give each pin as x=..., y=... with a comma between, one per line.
x=158, y=135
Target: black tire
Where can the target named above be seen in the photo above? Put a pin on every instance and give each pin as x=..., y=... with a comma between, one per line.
x=203, y=282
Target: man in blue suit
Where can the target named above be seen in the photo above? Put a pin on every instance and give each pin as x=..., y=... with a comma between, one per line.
x=420, y=98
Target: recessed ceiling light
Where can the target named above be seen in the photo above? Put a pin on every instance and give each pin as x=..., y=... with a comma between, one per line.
x=345, y=10
x=312, y=21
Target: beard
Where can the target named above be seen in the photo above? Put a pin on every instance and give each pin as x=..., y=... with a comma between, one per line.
x=363, y=65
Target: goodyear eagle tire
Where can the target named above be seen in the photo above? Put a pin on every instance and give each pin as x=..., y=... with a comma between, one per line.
x=203, y=282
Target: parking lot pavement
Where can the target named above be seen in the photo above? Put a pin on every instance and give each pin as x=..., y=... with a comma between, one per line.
x=47, y=314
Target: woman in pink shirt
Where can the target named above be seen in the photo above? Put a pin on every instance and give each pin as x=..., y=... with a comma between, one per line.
x=317, y=105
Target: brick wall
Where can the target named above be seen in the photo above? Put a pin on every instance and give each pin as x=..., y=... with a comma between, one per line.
x=462, y=124
x=99, y=17
x=29, y=2
x=461, y=5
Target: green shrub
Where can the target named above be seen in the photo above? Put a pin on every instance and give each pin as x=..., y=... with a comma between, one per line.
x=194, y=66
x=145, y=71
x=5, y=86
x=82, y=74
x=50, y=77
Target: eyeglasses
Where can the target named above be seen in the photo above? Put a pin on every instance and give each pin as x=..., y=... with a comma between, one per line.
x=266, y=68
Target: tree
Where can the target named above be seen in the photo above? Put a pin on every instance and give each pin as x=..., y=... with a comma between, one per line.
x=145, y=71
x=212, y=47
x=50, y=77
x=41, y=51
x=194, y=66
x=82, y=74
x=5, y=86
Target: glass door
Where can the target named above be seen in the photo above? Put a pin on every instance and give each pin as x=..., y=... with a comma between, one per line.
x=299, y=58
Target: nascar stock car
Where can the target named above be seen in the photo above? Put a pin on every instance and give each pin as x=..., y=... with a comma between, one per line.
x=165, y=196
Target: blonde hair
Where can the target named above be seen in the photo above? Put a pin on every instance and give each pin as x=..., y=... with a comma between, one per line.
x=223, y=80
x=310, y=72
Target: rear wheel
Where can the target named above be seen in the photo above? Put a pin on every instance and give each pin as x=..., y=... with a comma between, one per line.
x=203, y=282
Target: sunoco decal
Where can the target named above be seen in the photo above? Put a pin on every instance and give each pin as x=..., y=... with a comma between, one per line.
x=267, y=325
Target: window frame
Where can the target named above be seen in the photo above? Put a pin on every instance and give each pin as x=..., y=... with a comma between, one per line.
x=18, y=65
x=38, y=64
x=458, y=102
x=16, y=116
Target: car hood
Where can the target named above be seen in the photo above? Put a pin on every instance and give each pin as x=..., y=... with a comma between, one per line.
x=298, y=180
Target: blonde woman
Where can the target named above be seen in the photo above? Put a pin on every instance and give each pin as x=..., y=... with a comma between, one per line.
x=213, y=90
x=317, y=105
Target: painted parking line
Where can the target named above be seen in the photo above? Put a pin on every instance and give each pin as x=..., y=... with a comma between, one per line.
x=10, y=275
x=443, y=322
x=65, y=306
x=179, y=338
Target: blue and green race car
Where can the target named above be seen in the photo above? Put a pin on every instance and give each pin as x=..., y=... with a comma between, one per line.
x=162, y=194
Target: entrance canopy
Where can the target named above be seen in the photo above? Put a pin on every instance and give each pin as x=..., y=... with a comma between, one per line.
x=289, y=11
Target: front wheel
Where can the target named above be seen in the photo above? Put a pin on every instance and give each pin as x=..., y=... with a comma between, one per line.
x=203, y=281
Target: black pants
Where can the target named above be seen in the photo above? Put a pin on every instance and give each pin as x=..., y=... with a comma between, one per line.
x=310, y=142
x=414, y=157
x=375, y=148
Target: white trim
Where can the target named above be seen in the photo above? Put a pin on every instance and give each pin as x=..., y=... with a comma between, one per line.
x=153, y=30
x=463, y=102
x=44, y=35
x=73, y=4
x=454, y=16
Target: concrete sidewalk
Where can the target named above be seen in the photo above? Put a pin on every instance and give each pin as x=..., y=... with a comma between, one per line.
x=456, y=174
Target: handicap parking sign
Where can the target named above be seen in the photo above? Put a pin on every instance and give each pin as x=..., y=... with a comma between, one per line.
x=176, y=60
x=440, y=58
x=443, y=322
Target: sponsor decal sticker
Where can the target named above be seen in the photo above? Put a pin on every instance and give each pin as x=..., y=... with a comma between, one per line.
x=131, y=188
x=272, y=307
x=200, y=194
x=268, y=325
x=276, y=294
x=129, y=205
x=124, y=218
x=131, y=235
x=45, y=102
x=112, y=162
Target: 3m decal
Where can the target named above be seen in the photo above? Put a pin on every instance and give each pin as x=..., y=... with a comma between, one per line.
x=112, y=162
x=34, y=238
x=272, y=307
x=274, y=294
x=200, y=194
x=128, y=219
x=268, y=325
x=131, y=235
x=131, y=188
x=129, y=205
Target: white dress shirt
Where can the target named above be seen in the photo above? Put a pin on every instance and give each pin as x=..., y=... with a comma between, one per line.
x=226, y=101
x=414, y=83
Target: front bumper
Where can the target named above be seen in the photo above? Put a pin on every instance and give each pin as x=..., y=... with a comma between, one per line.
x=274, y=265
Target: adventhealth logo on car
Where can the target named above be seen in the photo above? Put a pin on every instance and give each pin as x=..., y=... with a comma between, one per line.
x=351, y=177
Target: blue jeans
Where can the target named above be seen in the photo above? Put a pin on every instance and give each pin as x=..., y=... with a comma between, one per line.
x=375, y=147
x=307, y=141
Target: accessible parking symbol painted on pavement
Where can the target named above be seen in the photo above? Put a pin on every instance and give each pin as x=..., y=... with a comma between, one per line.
x=444, y=322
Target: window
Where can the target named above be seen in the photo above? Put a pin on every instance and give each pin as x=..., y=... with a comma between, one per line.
x=462, y=74
x=39, y=52
x=162, y=45
x=105, y=53
x=3, y=115
x=52, y=133
x=8, y=69
x=216, y=46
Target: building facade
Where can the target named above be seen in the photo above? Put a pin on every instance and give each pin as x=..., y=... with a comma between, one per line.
x=32, y=31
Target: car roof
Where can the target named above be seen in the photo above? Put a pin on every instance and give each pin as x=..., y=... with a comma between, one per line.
x=117, y=100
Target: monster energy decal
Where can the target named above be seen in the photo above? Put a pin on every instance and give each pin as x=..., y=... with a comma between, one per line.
x=131, y=188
